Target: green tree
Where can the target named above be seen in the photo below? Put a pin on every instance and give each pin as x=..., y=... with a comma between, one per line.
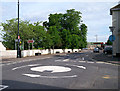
x=39, y=34
x=68, y=24
x=55, y=36
x=66, y=39
x=109, y=42
x=10, y=30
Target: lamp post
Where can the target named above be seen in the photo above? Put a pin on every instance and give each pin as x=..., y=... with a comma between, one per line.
x=18, y=49
x=112, y=29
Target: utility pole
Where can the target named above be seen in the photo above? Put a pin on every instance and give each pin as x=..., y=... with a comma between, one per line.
x=96, y=39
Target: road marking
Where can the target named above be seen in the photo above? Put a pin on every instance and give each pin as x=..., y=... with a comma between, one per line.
x=66, y=60
x=34, y=75
x=25, y=66
x=90, y=62
x=82, y=61
x=107, y=63
x=100, y=62
x=51, y=69
x=106, y=77
x=77, y=66
x=3, y=87
x=24, y=61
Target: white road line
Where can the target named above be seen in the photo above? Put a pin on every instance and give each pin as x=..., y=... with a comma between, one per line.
x=51, y=69
x=107, y=63
x=77, y=66
x=34, y=75
x=3, y=87
x=90, y=62
x=25, y=66
x=65, y=60
x=82, y=61
x=24, y=61
x=100, y=62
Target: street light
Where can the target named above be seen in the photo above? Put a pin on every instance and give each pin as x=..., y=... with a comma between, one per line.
x=112, y=29
x=18, y=49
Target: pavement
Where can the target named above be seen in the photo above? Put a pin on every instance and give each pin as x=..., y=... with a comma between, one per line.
x=106, y=58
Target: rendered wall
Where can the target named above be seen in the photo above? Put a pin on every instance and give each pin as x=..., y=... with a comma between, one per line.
x=116, y=32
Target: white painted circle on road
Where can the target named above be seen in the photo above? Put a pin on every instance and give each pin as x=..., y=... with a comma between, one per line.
x=51, y=69
x=37, y=76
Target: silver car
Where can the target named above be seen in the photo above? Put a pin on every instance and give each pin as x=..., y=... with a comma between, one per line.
x=96, y=50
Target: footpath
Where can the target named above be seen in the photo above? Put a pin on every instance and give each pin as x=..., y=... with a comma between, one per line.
x=106, y=58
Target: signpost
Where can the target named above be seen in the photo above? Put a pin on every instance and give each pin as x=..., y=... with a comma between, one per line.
x=111, y=38
x=30, y=41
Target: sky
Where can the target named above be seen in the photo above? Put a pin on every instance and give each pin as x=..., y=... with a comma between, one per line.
x=95, y=14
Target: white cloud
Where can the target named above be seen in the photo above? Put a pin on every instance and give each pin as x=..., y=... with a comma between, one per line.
x=95, y=15
x=100, y=38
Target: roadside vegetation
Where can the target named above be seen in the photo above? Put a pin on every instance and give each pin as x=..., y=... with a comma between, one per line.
x=60, y=31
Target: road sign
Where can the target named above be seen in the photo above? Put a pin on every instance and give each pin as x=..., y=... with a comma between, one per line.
x=30, y=41
x=111, y=38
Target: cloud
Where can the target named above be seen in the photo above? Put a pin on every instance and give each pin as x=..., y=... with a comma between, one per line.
x=95, y=15
x=100, y=38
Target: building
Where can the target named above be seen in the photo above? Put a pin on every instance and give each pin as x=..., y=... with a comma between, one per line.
x=115, y=12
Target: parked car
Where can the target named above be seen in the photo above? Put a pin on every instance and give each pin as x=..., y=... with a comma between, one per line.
x=107, y=50
x=96, y=50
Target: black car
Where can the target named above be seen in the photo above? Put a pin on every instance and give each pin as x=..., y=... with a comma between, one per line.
x=108, y=50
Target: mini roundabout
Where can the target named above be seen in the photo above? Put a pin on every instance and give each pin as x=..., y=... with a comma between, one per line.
x=50, y=71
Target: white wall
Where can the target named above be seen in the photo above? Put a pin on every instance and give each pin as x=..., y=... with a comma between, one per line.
x=26, y=53
x=2, y=48
x=8, y=54
x=13, y=53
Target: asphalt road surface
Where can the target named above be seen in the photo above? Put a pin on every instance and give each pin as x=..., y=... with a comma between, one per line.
x=61, y=71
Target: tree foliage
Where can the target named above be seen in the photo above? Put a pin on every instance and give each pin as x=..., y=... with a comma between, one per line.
x=71, y=30
x=61, y=31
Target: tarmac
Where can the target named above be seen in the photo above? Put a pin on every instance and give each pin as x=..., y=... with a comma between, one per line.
x=107, y=58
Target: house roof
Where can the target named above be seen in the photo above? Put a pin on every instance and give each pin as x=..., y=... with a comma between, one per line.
x=115, y=8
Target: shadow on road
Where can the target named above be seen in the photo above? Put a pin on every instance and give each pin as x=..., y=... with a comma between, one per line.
x=71, y=56
x=105, y=57
x=14, y=85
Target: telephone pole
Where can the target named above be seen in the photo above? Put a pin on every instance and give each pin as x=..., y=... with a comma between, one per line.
x=96, y=37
